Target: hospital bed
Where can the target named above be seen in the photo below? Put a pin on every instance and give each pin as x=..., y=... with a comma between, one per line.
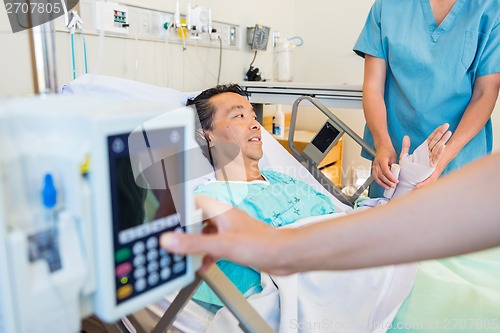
x=476, y=285
x=275, y=158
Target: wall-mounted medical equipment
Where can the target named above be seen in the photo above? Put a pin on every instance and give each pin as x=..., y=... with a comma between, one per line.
x=112, y=17
x=283, y=56
x=258, y=37
x=199, y=19
x=322, y=143
x=87, y=187
x=142, y=23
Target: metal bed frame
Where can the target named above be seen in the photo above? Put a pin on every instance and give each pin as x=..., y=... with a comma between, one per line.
x=311, y=166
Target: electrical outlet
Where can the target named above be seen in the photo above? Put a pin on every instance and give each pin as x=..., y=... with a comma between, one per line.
x=144, y=28
x=228, y=34
x=223, y=31
x=233, y=36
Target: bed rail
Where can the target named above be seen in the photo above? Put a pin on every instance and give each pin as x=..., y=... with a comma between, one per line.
x=311, y=166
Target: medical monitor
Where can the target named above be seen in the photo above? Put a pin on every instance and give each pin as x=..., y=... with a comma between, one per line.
x=145, y=168
x=120, y=179
x=141, y=213
x=322, y=143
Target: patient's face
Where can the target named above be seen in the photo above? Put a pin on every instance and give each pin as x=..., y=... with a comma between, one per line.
x=235, y=122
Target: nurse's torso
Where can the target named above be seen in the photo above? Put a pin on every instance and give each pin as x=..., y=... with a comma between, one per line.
x=431, y=69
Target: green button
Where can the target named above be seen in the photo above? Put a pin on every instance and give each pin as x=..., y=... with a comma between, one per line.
x=122, y=254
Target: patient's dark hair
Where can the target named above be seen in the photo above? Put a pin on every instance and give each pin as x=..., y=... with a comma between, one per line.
x=206, y=112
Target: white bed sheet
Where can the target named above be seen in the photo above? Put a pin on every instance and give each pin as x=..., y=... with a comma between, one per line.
x=356, y=301
x=352, y=301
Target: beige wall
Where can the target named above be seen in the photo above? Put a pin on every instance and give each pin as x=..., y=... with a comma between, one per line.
x=164, y=64
x=329, y=30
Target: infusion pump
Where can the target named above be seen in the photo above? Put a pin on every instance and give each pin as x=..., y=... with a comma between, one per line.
x=87, y=187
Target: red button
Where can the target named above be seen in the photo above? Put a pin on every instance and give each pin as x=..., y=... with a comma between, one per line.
x=123, y=269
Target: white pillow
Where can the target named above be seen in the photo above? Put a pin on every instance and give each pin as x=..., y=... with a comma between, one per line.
x=109, y=86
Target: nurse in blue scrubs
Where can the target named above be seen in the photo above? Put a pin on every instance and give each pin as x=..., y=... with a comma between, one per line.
x=429, y=62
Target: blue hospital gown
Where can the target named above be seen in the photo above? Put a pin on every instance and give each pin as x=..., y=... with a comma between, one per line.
x=278, y=201
x=431, y=70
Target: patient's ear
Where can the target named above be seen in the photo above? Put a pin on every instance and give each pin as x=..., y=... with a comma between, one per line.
x=202, y=138
x=208, y=138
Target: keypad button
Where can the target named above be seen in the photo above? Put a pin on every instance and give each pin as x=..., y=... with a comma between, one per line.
x=124, y=291
x=157, y=226
x=152, y=242
x=152, y=255
x=140, y=272
x=140, y=260
x=141, y=231
x=123, y=269
x=138, y=248
x=163, y=253
x=126, y=236
x=140, y=284
x=165, y=261
x=179, y=267
x=122, y=254
x=165, y=273
x=153, y=279
x=178, y=257
x=152, y=267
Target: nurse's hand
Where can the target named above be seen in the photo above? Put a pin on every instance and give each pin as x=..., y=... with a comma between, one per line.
x=437, y=153
x=230, y=233
x=384, y=158
x=436, y=143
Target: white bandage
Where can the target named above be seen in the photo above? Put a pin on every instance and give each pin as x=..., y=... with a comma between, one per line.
x=395, y=169
x=414, y=169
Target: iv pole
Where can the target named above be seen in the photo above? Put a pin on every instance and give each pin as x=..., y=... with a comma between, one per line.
x=43, y=58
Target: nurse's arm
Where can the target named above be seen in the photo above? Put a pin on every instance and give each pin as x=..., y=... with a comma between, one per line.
x=456, y=215
x=477, y=113
x=376, y=118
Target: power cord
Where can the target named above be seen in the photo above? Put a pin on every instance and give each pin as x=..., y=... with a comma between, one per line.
x=220, y=58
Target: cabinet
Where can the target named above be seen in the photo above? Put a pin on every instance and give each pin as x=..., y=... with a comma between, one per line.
x=331, y=165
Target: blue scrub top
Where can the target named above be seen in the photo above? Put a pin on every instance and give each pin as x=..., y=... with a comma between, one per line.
x=431, y=70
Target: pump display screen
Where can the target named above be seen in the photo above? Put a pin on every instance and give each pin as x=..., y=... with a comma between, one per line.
x=143, y=207
x=325, y=137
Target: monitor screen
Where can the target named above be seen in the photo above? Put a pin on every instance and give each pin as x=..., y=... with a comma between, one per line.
x=143, y=207
x=325, y=137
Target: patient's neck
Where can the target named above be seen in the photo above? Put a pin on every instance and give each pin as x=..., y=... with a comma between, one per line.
x=235, y=171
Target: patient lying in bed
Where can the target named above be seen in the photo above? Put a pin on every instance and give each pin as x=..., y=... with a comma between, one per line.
x=459, y=294
x=231, y=138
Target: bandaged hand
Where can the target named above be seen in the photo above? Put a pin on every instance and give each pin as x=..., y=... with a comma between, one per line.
x=417, y=167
